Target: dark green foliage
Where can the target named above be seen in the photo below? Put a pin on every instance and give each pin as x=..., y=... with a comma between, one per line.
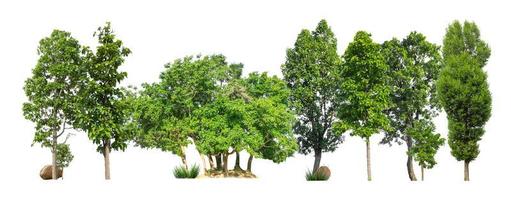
x=315, y=176
x=311, y=71
x=414, y=67
x=64, y=155
x=465, y=96
x=184, y=172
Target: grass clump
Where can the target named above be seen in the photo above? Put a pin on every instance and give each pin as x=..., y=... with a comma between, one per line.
x=183, y=172
x=315, y=176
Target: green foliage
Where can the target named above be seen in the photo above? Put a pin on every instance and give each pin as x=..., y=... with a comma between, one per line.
x=414, y=67
x=64, y=155
x=364, y=90
x=184, y=172
x=52, y=89
x=311, y=71
x=272, y=119
x=463, y=89
x=465, y=96
x=426, y=142
x=104, y=111
x=315, y=176
x=165, y=111
x=465, y=39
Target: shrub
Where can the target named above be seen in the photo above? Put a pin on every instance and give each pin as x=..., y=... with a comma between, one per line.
x=183, y=172
x=315, y=176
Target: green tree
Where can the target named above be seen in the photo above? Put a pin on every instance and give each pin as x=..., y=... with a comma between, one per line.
x=165, y=110
x=311, y=71
x=272, y=118
x=463, y=90
x=365, y=92
x=425, y=143
x=105, y=111
x=414, y=66
x=52, y=90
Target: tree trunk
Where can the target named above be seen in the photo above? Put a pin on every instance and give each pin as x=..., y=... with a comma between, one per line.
x=317, y=160
x=211, y=162
x=409, y=161
x=368, y=157
x=225, y=162
x=219, y=164
x=249, y=163
x=237, y=166
x=467, y=174
x=203, y=163
x=54, y=157
x=106, y=155
x=422, y=173
x=183, y=157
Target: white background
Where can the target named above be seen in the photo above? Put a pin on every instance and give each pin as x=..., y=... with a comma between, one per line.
x=257, y=34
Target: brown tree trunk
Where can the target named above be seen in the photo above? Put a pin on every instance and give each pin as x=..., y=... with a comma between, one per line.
x=409, y=161
x=106, y=155
x=225, y=162
x=467, y=173
x=211, y=162
x=237, y=166
x=368, y=157
x=183, y=157
x=54, y=157
x=249, y=163
x=317, y=160
x=422, y=173
x=219, y=164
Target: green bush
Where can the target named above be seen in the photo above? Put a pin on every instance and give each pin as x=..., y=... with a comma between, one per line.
x=310, y=176
x=182, y=172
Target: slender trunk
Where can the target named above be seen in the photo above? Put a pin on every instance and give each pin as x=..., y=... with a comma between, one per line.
x=225, y=162
x=54, y=157
x=317, y=160
x=183, y=157
x=237, y=163
x=219, y=162
x=409, y=161
x=203, y=163
x=249, y=163
x=467, y=174
x=422, y=173
x=368, y=157
x=106, y=155
x=211, y=163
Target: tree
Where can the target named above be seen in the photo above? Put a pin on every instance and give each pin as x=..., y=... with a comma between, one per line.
x=165, y=111
x=105, y=111
x=52, y=90
x=425, y=143
x=365, y=92
x=311, y=71
x=273, y=119
x=463, y=90
x=414, y=66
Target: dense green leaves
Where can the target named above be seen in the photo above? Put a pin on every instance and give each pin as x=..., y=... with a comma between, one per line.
x=365, y=93
x=311, y=71
x=414, y=67
x=64, y=155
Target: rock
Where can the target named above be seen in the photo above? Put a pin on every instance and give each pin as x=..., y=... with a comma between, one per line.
x=324, y=170
x=46, y=172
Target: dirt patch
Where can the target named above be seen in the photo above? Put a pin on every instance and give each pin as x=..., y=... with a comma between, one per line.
x=230, y=174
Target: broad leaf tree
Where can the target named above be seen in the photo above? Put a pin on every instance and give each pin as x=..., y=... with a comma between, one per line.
x=364, y=91
x=414, y=66
x=463, y=90
x=272, y=118
x=105, y=111
x=425, y=143
x=311, y=71
x=52, y=90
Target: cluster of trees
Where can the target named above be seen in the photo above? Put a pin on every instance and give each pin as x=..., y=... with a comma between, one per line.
x=395, y=88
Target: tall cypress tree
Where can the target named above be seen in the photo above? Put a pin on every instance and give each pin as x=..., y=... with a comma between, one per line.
x=463, y=90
